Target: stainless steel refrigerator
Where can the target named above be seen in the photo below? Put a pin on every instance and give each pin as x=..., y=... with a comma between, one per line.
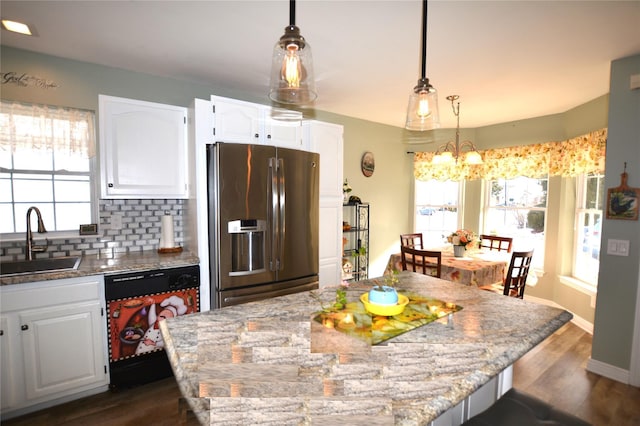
x=263, y=222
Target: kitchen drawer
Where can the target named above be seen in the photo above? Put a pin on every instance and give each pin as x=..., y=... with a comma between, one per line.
x=32, y=295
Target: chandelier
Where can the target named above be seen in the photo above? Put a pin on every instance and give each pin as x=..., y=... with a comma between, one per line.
x=451, y=151
x=292, y=80
x=422, y=112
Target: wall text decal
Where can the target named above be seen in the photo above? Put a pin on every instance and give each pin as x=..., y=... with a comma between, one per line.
x=26, y=80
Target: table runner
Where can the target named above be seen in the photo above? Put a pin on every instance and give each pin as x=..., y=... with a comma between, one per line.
x=356, y=322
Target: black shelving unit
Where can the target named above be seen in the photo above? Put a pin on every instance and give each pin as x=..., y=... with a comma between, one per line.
x=355, y=233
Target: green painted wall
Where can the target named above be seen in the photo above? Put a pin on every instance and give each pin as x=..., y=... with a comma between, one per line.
x=618, y=278
x=80, y=83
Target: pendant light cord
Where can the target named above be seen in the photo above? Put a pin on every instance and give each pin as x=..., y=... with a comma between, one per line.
x=424, y=39
x=292, y=12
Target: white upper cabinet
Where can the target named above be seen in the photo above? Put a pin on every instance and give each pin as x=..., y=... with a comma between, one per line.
x=143, y=149
x=236, y=121
x=245, y=122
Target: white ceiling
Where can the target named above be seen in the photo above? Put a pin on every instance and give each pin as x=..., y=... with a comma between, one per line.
x=508, y=60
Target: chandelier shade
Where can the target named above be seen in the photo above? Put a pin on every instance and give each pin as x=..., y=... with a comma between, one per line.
x=292, y=79
x=422, y=111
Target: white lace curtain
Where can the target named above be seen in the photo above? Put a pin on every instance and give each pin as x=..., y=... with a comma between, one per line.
x=43, y=127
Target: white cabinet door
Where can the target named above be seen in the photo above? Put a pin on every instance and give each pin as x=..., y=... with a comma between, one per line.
x=236, y=121
x=143, y=149
x=245, y=122
x=284, y=134
x=8, y=362
x=59, y=345
x=326, y=139
x=54, y=342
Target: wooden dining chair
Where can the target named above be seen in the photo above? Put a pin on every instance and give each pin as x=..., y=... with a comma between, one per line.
x=493, y=242
x=411, y=240
x=516, y=278
x=426, y=262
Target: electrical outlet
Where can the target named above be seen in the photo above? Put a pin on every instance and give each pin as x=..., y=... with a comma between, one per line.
x=618, y=247
x=116, y=221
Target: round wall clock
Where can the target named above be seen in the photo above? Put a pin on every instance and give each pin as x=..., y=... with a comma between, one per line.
x=368, y=164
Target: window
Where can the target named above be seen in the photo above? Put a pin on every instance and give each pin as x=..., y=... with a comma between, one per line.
x=517, y=208
x=436, y=212
x=45, y=162
x=589, y=208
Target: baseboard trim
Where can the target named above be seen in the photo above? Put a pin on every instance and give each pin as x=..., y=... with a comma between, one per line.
x=577, y=320
x=607, y=370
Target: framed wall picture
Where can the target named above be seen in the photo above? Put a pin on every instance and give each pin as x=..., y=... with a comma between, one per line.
x=622, y=201
x=368, y=164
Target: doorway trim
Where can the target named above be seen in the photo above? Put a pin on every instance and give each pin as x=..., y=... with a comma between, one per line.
x=634, y=371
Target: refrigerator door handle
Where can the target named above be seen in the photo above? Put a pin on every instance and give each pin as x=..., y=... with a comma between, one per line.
x=283, y=228
x=273, y=177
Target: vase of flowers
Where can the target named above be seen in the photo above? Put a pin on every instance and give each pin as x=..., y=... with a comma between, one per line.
x=461, y=240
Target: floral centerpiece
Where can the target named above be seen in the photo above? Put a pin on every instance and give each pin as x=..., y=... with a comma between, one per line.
x=462, y=238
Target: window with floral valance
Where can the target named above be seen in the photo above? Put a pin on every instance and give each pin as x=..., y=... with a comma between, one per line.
x=581, y=155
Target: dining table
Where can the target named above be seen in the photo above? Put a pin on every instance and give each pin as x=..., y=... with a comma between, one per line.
x=476, y=268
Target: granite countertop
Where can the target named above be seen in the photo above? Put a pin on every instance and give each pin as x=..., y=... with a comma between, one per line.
x=253, y=363
x=96, y=264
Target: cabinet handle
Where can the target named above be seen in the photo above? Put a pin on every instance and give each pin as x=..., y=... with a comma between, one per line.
x=256, y=136
x=1, y=332
x=24, y=327
x=110, y=185
x=268, y=136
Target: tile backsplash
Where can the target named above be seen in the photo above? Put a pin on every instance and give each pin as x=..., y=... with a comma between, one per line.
x=141, y=230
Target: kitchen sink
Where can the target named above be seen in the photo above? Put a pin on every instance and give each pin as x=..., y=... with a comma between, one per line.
x=37, y=266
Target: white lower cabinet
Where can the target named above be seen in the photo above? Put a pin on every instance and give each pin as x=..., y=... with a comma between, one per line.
x=53, y=342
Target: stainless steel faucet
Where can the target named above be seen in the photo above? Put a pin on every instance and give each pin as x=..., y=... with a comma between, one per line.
x=41, y=230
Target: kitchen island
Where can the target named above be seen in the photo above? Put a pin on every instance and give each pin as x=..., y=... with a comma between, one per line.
x=253, y=363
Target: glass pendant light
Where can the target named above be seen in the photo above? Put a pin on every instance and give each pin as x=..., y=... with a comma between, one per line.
x=422, y=112
x=292, y=80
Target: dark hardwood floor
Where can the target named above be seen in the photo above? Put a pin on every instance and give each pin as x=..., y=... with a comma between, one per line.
x=553, y=371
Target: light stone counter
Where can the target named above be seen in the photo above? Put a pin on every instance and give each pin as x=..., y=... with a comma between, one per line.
x=252, y=364
x=96, y=264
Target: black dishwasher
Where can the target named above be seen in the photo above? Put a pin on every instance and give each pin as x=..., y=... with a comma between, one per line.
x=136, y=303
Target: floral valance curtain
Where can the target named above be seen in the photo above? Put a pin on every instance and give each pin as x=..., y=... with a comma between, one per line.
x=41, y=127
x=584, y=154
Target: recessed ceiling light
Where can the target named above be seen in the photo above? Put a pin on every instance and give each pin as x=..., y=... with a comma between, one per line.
x=16, y=27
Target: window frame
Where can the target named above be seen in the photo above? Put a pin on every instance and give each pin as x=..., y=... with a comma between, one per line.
x=518, y=244
x=436, y=208
x=588, y=280
x=53, y=173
